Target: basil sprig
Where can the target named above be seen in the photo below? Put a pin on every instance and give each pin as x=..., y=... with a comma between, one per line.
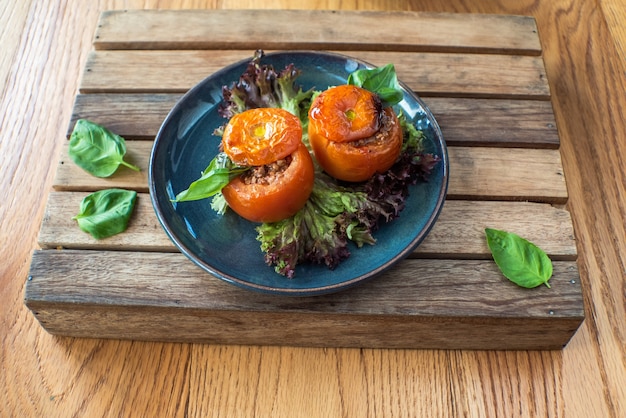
x=106, y=212
x=521, y=261
x=381, y=80
x=219, y=173
x=97, y=150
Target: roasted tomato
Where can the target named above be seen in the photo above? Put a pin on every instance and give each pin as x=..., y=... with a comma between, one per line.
x=275, y=191
x=352, y=137
x=282, y=173
x=261, y=136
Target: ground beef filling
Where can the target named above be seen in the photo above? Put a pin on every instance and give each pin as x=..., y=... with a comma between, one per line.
x=386, y=123
x=266, y=174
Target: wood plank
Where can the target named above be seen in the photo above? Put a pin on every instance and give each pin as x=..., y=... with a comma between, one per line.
x=475, y=173
x=133, y=116
x=69, y=176
x=246, y=29
x=59, y=230
x=428, y=74
x=506, y=174
x=493, y=122
x=476, y=122
x=458, y=232
x=160, y=296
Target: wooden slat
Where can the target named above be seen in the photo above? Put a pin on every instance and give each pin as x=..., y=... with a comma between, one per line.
x=467, y=304
x=133, y=116
x=429, y=74
x=178, y=282
x=247, y=29
x=458, y=232
x=492, y=122
x=506, y=174
x=59, y=230
x=71, y=177
x=476, y=122
x=475, y=173
x=436, y=303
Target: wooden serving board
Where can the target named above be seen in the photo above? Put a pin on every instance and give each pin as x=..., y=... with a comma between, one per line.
x=483, y=78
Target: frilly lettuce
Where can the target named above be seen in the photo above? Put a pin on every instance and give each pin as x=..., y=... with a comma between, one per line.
x=262, y=86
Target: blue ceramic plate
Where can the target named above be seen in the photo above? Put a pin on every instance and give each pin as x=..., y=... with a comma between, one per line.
x=226, y=246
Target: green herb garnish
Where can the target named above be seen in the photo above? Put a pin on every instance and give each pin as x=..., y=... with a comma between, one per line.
x=106, y=212
x=219, y=173
x=97, y=150
x=521, y=261
x=381, y=80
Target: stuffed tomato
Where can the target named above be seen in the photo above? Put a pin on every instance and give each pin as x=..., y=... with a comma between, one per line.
x=281, y=174
x=351, y=135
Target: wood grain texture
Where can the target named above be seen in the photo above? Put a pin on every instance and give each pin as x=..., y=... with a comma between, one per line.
x=438, y=74
x=458, y=233
x=10, y=38
x=45, y=375
x=108, y=289
x=594, y=157
x=613, y=12
x=334, y=29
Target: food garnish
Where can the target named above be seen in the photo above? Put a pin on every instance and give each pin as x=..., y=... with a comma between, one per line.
x=97, y=150
x=101, y=152
x=106, y=212
x=519, y=260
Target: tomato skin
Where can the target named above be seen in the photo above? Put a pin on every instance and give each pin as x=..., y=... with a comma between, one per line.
x=345, y=113
x=277, y=200
x=261, y=136
x=352, y=162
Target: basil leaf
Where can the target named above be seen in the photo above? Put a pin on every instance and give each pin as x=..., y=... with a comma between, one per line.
x=97, y=150
x=106, y=212
x=219, y=173
x=382, y=80
x=521, y=261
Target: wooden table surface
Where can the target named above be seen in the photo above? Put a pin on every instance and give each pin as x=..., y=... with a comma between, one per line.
x=44, y=49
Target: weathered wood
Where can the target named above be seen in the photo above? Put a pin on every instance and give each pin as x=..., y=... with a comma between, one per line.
x=59, y=230
x=437, y=303
x=493, y=122
x=506, y=174
x=246, y=29
x=475, y=173
x=476, y=122
x=133, y=116
x=69, y=176
x=459, y=232
x=428, y=74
